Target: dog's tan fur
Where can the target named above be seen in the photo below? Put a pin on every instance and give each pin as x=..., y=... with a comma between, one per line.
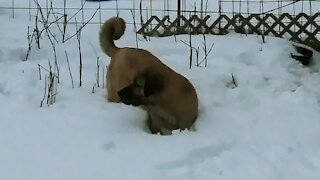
x=175, y=107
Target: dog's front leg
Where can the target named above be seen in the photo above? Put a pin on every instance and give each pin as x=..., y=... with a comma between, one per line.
x=152, y=127
x=156, y=125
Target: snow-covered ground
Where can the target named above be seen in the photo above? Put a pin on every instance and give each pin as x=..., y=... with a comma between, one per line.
x=265, y=128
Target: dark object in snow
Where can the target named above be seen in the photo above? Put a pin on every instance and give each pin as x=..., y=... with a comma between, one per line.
x=304, y=55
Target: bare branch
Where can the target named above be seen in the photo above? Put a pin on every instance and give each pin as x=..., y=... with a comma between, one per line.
x=70, y=73
x=82, y=26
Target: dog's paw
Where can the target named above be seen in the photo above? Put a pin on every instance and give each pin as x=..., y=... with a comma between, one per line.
x=113, y=99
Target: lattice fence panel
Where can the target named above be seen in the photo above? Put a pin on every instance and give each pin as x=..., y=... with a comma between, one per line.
x=301, y=28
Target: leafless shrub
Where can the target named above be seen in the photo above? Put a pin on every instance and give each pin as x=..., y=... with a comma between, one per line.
x=70, y=73
x=103, y=76
x=82, y=26
x=98, y=73
x=51, y=86
x=45, y=91
x=141, y=19
x=135, y=27
x=191, y=48
x=43, y=25
x=80, y=53
x=206, y=52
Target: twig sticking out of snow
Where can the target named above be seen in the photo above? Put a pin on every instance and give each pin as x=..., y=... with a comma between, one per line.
x=98, y=72
x=70, y=73
x=197, y=50
x=233, y=83
x=51, y=87
x=80, y=54
x=135, y=26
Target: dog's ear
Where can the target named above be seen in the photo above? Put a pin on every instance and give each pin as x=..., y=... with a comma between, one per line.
x=153, y=84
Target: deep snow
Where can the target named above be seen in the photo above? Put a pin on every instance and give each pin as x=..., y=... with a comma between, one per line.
x=266, y=128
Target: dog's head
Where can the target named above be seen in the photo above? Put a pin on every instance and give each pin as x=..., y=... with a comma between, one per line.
x=145, y=86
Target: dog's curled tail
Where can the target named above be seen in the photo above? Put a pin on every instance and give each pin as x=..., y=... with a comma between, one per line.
x=111, y=30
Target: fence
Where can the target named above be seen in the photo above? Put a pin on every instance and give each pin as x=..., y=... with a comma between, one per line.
x=291, y=19
x=276, y=20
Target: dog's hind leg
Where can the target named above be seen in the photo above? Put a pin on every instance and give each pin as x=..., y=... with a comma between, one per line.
x=113, y=98
x=112, y=95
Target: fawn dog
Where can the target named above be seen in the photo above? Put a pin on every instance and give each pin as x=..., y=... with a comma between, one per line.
x=136, y=77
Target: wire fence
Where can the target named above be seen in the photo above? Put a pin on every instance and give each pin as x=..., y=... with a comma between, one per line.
x=144, y=9
x=297, y=20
